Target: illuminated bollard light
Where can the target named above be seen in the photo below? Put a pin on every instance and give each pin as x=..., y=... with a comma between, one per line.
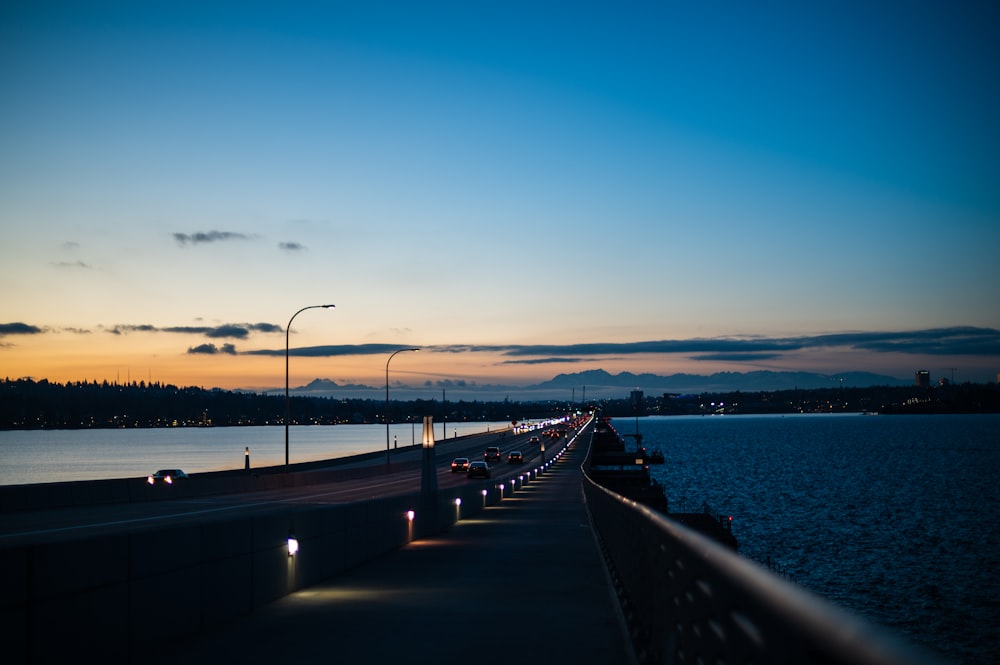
x=293, y=544
x=409, y=525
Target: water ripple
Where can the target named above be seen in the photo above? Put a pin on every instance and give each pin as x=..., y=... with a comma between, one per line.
x=891, y=517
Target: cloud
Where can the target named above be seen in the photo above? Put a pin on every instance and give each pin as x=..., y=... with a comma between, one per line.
x=242, y=330
x=72, y=265
x=332, y=350
x=202, y=237
x=265, y=327
x=543, y=361
x=227, y=330
x=953, y=341
x=212, y=349
x=686, y=346
x=956, y=341
x=19, y=329
x=737, y=357
x=129, y=328
x=291, y=247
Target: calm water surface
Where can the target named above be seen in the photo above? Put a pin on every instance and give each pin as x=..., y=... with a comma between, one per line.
x=893, y=517
x=66, y=455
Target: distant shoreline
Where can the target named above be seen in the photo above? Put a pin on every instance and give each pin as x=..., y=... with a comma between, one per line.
x=29, y=405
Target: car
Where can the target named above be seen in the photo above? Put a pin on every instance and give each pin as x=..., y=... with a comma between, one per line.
x=534, y=439
x=460, y=464
x=478, y=470
x=492, y=454
x=166, y=476
x=515, y=457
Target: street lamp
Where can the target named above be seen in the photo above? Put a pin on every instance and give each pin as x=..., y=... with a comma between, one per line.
x=386, y=417
x=287, y=404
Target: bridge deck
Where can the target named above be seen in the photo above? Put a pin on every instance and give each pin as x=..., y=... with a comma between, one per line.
x=522, y=579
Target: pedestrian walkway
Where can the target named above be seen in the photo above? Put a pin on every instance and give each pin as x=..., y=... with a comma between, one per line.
x=522, y=581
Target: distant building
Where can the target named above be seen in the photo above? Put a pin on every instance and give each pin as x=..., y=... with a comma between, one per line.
x=923, y=379
x=637, y=402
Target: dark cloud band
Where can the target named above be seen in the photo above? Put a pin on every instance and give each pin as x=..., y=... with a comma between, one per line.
x=19, y=329
x=954, y=341
x=212, y=349
x=203, y=237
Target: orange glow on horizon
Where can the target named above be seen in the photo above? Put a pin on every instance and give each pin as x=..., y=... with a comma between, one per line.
x=166, y=358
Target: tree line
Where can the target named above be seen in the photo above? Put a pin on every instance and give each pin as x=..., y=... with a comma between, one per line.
x=30, y=404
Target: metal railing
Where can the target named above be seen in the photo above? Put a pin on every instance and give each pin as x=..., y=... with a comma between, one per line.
x=687, y=599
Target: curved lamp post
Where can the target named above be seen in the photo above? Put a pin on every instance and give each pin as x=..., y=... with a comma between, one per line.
x=387, y=400
x=287, y=405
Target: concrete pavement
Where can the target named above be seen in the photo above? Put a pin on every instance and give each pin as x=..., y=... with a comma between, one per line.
x=520, y=581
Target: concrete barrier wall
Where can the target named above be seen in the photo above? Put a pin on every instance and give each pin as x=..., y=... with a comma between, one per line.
x=125, y=595
x=41, y=496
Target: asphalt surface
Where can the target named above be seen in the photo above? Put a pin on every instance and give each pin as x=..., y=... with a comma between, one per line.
x=522, y=581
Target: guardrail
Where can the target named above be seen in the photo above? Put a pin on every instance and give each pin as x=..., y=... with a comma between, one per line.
x=687, y=599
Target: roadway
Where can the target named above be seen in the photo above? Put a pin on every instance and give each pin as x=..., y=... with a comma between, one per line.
x=524, y=580
x=351, y=481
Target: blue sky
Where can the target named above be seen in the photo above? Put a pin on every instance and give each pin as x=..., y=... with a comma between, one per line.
x=487, y=176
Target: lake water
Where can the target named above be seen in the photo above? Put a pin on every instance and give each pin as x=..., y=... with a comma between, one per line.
x=893, y=517
x=43, y=456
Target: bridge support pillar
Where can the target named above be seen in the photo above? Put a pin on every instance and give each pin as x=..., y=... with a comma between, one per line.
x=428, y=477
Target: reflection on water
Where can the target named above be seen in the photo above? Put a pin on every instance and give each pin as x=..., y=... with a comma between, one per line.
x=889, y=516
x=43, y=456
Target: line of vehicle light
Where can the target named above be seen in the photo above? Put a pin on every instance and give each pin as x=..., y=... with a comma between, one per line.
x=443, y=471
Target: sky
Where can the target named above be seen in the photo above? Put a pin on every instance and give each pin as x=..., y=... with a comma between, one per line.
x=519, y=189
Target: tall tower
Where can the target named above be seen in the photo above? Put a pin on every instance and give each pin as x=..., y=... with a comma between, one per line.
x=922, y=379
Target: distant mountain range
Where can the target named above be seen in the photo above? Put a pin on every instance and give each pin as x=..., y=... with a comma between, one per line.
x=599, y=384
